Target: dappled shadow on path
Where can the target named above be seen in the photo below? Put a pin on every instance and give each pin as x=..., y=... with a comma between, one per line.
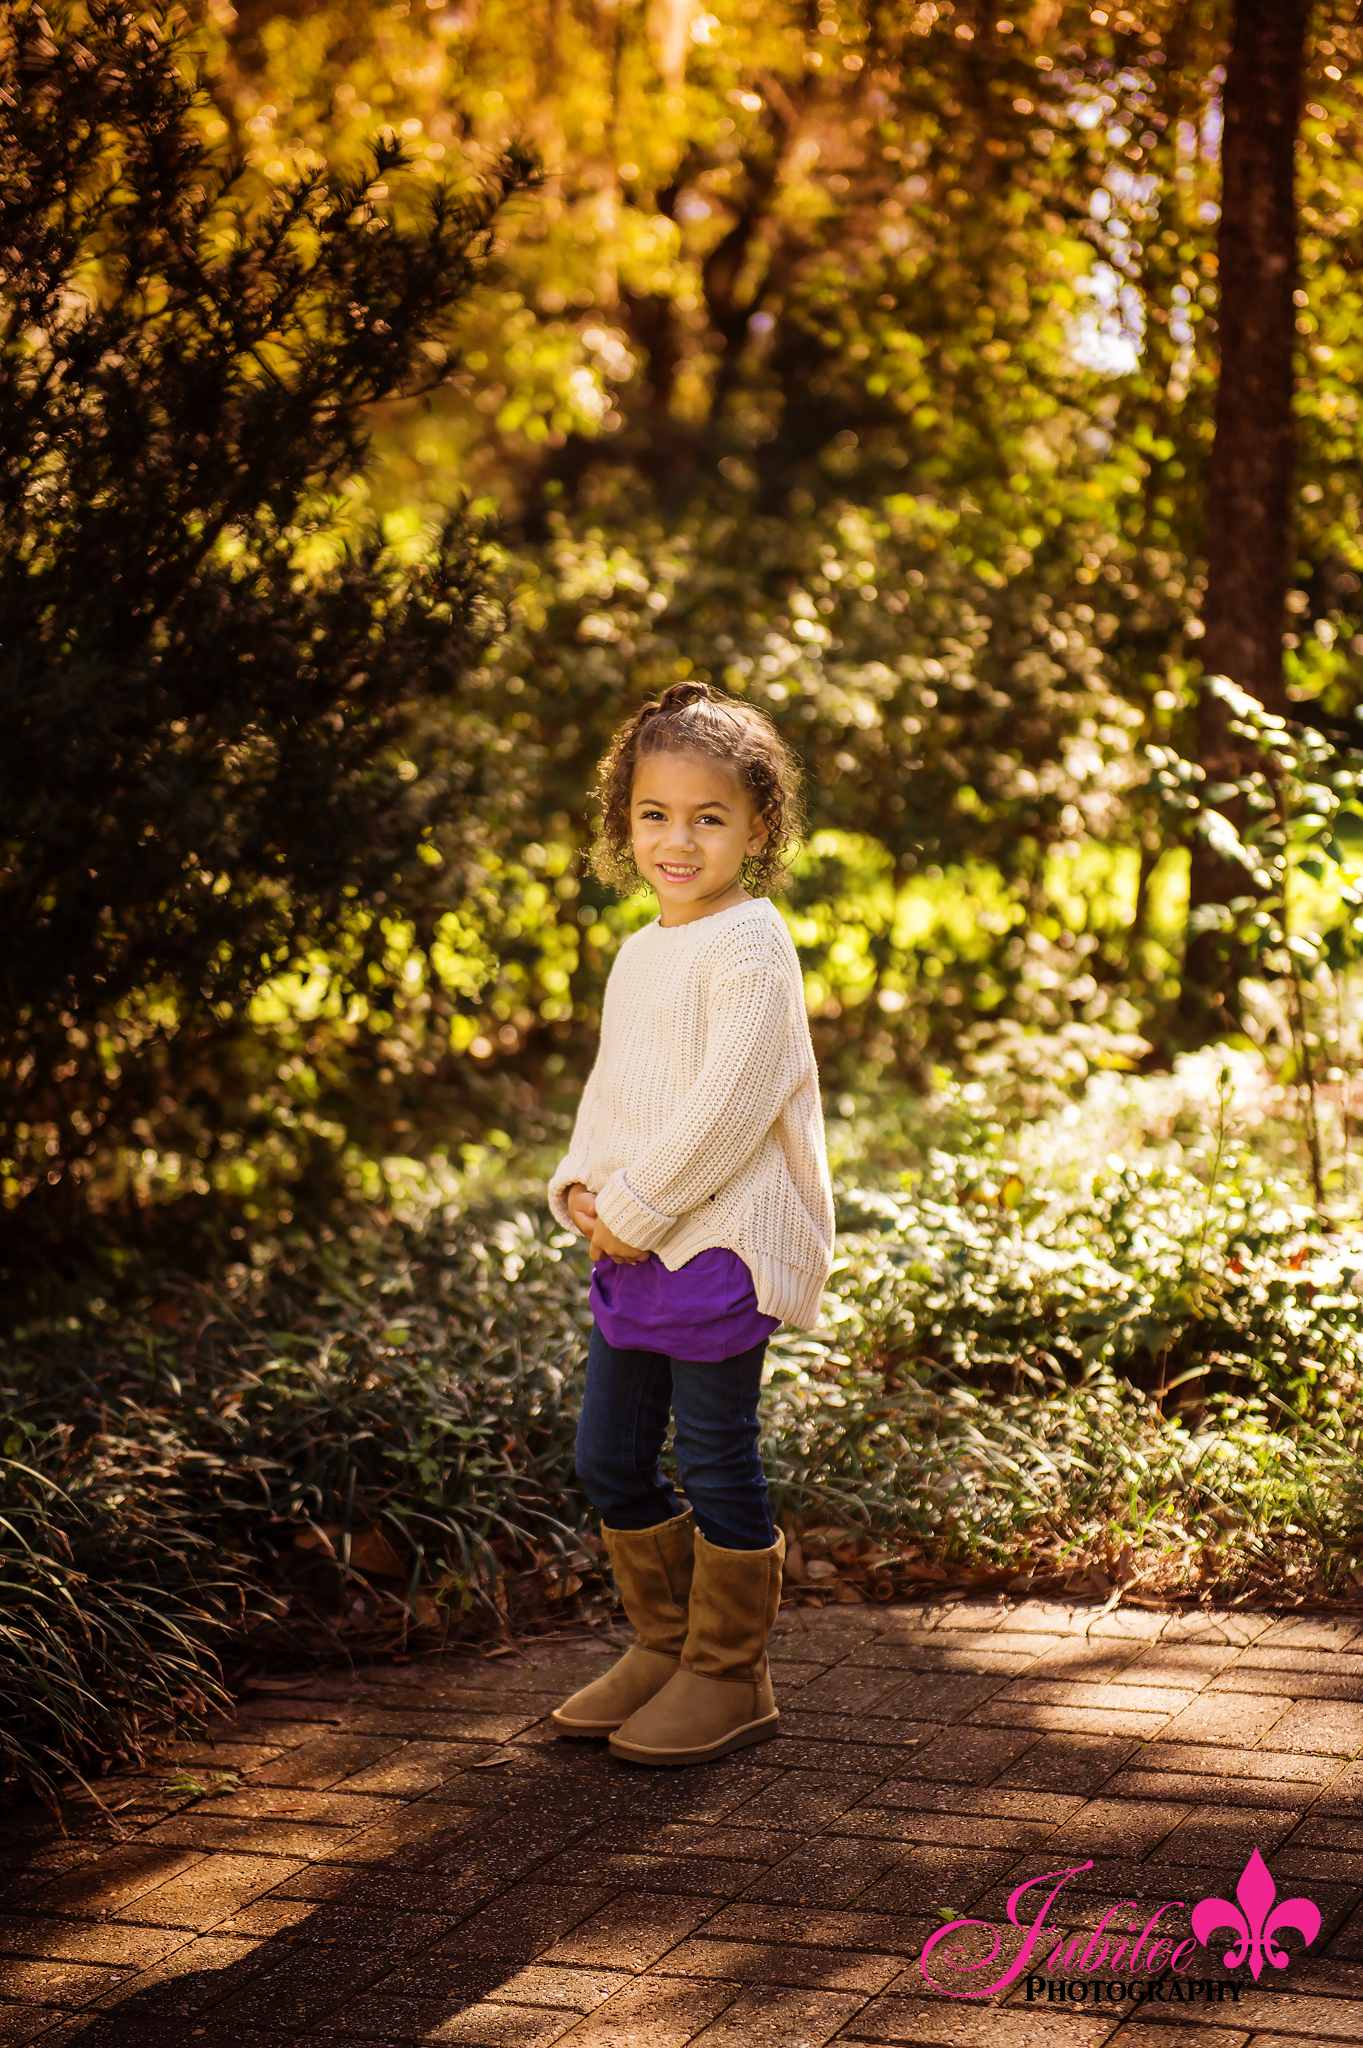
x=411, y=1856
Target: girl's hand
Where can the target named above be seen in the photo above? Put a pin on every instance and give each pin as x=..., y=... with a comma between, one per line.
x=580, y=1203
x=606, y=1244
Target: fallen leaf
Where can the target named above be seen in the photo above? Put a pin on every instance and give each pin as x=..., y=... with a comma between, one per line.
x=370, y=1551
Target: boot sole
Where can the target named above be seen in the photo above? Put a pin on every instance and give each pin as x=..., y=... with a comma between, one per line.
x=751, y=1731
x=586, y=1731
x=582, y=1731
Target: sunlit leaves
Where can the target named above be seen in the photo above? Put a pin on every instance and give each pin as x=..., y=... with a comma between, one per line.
x=215, y=669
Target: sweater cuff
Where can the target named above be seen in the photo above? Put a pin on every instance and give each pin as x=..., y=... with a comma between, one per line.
x=632, y=1220
x=567, y=1174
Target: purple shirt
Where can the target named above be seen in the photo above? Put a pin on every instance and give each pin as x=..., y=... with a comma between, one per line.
x=705, y=1311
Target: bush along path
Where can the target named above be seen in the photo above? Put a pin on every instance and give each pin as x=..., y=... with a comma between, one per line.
x=1136, y=1388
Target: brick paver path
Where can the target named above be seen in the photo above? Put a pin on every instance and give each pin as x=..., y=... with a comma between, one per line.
x=412, y=1857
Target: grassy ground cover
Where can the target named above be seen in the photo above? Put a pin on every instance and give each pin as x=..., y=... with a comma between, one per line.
x=1109, y=1349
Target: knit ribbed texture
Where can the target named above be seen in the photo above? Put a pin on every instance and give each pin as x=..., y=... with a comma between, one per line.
x=700, y=1124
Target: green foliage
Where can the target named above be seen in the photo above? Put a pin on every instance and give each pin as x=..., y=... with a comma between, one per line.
x=1034, y=1361
x=858, y=361
x=111, y=1610
x=1300, y=826
x=217, y=755
x=186, y=1786
x=865, y=363
x=1131, y=1357
x=1288, y=829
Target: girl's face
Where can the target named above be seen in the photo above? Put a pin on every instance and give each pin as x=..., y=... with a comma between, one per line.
x=692, y=823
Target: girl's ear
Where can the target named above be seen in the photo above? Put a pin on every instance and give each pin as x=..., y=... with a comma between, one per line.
x=759, y=834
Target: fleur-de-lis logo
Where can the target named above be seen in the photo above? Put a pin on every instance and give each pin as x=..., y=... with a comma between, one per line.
x=1259, y=1921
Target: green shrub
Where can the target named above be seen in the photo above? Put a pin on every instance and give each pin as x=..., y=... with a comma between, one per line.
x=1136, y=1361
x=1032, y=1368
x=215, y=679
x=109, y=1611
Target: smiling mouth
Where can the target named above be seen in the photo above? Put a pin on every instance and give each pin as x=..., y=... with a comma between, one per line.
x=676, y=874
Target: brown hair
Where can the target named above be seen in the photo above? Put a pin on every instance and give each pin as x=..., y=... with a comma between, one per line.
x=691, y=718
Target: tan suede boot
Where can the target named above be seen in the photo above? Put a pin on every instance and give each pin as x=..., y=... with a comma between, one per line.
x=653, y=1572
x=721, y=1697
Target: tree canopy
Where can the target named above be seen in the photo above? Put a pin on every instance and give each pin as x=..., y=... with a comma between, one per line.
x=212, y=683
x=862, y=359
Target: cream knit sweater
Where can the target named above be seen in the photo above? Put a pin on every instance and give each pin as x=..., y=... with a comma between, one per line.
x=700, y=1124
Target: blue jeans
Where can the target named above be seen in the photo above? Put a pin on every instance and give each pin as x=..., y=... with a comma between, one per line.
x=625, y=1408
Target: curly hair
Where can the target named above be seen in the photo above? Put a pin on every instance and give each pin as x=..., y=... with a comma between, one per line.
x=691, y=718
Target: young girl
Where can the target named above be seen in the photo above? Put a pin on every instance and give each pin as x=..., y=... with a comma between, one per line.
x=697, y=1170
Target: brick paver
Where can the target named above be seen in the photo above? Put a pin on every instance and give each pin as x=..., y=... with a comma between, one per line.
x=409, y=1855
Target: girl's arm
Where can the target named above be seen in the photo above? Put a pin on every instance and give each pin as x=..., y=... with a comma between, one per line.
x=573, y=1166
x=722, y=1119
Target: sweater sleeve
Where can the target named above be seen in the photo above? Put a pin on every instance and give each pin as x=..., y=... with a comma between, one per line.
x=573, y=1166
x=723, y=1117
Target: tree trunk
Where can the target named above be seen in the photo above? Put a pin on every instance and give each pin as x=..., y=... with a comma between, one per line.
x=1252, y=473
x=1253, y=463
